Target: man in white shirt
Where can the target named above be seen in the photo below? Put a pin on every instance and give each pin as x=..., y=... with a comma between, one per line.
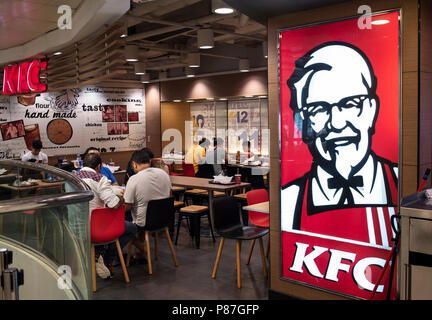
x=35, y=155
x=104, y=196
x=147, y=184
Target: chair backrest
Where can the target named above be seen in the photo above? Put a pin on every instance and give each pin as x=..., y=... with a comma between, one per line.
x=258, y=218
x=107, y=224
x=188, y=169
x=160, y=213
x=226, y=214
x=205, y=171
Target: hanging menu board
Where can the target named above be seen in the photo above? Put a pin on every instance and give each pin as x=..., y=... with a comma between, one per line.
x=203, y=119
x=244, y=124
x=69, y=121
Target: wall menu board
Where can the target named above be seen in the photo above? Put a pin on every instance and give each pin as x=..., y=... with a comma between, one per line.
x=244, y=119
x=203, y=119
x=69, y=121
x=339, y=116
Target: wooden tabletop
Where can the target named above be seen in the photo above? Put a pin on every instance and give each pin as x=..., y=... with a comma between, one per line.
x=40, y=184
x=259, y=207
x=202, y=183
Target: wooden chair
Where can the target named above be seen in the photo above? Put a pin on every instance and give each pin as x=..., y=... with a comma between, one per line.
x=106, y=226
x=194, y=213
x=158, y=217
x=228, y=225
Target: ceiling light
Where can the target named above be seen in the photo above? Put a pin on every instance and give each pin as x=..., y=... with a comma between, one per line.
x=209, y=98
x=163, y=75
x=262, y=96
x=145, y=78
x=265, y=49
x=189, y=101
x=139, y=68
x=193, y=59
x=380, y=22
x=57, y=53
x=220, y=7
x=131, y=53
x=223, y=99
x=248, y=96
x=124, y=32
x=244, y=65
x=205, y=39
x=177, y=100
x=190, y=73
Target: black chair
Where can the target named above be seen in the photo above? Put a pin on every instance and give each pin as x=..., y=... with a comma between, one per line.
x=159, y=216
x=227, y=224
x=205, y=171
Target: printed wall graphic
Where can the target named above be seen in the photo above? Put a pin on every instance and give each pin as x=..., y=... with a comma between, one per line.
x=203, y=119
x=339, y=95
x=69, y=121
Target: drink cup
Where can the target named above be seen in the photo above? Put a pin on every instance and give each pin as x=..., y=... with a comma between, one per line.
x=238, y=178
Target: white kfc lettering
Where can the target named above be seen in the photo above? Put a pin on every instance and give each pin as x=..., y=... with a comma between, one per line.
x=335, y=263
x=359, y=273
x=308, y=260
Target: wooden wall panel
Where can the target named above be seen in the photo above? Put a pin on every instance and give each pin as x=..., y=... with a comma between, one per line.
x=174, y=115
x=409, y=113
x=229, y=85
x=153, y=118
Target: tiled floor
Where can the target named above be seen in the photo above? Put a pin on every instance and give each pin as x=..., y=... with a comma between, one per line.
x=191, y=280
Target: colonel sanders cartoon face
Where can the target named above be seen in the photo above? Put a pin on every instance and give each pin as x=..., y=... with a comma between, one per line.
x=335, y=106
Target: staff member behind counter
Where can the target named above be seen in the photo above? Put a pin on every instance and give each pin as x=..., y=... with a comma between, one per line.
x=35, y=155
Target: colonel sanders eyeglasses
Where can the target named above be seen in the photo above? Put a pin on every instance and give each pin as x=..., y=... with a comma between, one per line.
x=322, y=107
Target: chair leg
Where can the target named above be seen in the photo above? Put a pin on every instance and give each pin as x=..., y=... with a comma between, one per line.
x=218, y=257
x=250, y=251
x=129, y=251
x=210, y=226
x=197, y=229
x=156, y=245
x=171, y=247
x=148, y=252
x=120, y=254
x=93, y=266
x=238, y=250
x=179, y=221
x=263, y=258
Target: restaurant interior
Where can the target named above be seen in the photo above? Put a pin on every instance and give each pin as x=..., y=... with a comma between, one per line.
x=217, y=97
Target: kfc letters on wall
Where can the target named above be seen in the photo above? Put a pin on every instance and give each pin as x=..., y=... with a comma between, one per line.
x=339, y=114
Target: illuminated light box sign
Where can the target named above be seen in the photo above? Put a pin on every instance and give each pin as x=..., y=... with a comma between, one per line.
x=339, y=107
x=23, y=78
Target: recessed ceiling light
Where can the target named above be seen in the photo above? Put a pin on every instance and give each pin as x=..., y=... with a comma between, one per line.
x=189, y=101
x=222, y=98
x=177, y=100
x=262, y=96
x=57, y=53
x=248, y=96
x=380, y=22
x=220, y=7
x=209, y=98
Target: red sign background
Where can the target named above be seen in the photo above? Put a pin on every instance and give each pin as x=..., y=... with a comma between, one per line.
x=381, y=46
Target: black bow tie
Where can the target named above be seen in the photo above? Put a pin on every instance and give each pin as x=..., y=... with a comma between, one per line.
x=337, y=183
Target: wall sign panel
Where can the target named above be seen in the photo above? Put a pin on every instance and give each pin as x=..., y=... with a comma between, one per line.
x=339, y=115
x=69, y=121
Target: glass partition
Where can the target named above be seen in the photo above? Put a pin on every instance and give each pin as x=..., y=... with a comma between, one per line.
x=44, y=211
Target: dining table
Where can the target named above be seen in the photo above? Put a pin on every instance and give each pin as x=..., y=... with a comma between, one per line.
x=206, y=184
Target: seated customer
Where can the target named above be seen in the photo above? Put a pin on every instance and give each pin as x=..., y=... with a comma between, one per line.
x=35, y=155
x=147, y=184
x=104, y=196
x=104, y=169
x=129, y=170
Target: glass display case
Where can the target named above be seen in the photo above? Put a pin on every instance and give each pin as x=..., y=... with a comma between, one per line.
x=45, y=221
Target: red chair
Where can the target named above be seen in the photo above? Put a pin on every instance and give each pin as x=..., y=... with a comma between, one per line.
x=188, y=169
x=106, y=226
x=258, y=219
x=172, y=173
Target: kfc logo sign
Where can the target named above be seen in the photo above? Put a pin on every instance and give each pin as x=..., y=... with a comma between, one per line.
x=339, y=183
x=23, y=78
